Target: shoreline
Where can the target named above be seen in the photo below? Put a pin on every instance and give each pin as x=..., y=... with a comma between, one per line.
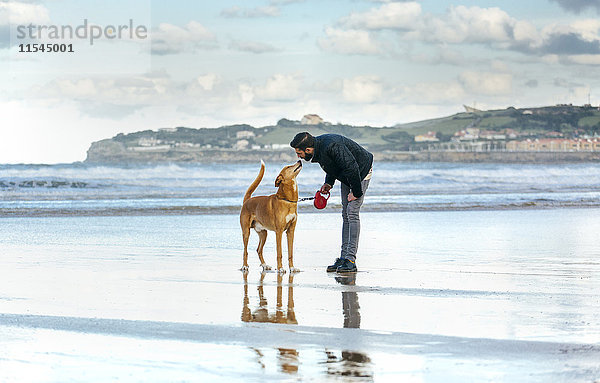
x=234, y=210
x=241, y=157
x=237, y=156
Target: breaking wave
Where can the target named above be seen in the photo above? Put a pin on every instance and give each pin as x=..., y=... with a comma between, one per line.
x=213, y=188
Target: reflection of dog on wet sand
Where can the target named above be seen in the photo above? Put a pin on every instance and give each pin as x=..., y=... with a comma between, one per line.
x=277, y=212
x=288, y=358
x=261, y=314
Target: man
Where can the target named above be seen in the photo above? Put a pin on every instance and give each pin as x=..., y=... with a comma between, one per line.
x=344, y=160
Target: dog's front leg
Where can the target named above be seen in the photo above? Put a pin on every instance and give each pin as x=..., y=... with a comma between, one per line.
x=279, y=237
x=290, y=244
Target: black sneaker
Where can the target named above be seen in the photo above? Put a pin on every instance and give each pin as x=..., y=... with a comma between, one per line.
x=338, y=263
x=347, y=267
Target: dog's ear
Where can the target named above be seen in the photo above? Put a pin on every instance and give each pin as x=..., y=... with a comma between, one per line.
x=278, y=180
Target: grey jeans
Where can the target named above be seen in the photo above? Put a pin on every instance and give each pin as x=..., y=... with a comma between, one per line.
x=351, y=218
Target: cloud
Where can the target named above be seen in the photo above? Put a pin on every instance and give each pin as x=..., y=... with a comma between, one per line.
x=458, y=25
x=532, y=83
x=434, y=92
x=238, y=12
x=285, y=2
x=207, y=81
x=463, y=24
x=378, y=31
x=569, y=44
x=280, y=87
x=593, y=60
x=362, y=89
x=246, y=94
x=486, y=83
x=172, y=39
x=252, y=46
x=14, y=13
x=104, y=109
x=365, y=32
x=117, y=97
x=578, y=6
x=388, y=16
x=564, y=83
x=349, y=42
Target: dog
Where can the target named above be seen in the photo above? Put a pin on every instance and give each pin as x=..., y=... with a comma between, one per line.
x=277, y=212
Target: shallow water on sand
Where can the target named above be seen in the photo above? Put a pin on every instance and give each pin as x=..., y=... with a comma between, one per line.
x=439, y=296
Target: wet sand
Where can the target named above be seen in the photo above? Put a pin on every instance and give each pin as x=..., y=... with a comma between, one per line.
x=440, y=296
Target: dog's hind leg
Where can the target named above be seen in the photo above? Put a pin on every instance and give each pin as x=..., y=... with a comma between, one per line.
x=262, y=238
x=245, y=236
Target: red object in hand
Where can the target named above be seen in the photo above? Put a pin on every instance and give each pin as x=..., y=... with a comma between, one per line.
x=320, y=201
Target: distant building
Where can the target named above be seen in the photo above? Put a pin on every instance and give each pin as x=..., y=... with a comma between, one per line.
x=241, y=144
x=428, y=137
x=555, y=145
x=491, y=135
x=469, y=134
x=311, y=119
x=168, y=130
x=148, y=141
x=245, y=134
x=511, y=133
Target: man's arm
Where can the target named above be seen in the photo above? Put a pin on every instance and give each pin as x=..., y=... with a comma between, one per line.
x=329, y=179
x=347, y=163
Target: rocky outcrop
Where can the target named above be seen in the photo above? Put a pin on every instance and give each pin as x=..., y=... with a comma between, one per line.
x=111, y=152
x=101, y=151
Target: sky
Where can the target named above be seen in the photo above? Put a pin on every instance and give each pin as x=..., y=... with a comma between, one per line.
x=205, y=64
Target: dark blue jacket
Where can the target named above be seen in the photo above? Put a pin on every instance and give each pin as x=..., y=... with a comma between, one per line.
x=344, y=160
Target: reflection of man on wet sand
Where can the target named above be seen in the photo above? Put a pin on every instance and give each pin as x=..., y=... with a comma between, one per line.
x=351, y=363
x=288, y=358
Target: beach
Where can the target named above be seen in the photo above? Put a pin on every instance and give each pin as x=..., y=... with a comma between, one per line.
x=441, y=296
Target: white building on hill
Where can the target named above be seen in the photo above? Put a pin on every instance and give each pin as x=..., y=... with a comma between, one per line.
x=311, y=119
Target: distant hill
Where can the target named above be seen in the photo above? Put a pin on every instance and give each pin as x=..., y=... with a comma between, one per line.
x=236, y=143
x=566, y=119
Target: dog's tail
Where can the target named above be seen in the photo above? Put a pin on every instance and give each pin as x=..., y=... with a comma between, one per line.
x=256, y=182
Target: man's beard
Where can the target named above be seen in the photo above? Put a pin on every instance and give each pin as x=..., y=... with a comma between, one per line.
x=307, y=156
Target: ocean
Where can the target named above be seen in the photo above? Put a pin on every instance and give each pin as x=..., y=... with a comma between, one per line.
x=84, y=189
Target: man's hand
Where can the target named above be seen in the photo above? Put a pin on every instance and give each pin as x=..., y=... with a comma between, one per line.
x=351, y=197
x=325, y=189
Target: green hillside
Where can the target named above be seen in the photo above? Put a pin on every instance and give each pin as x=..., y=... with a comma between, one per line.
x=566, y=119
x=188, y=144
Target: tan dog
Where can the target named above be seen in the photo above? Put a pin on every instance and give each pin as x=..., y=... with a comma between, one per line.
x=277, y=212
